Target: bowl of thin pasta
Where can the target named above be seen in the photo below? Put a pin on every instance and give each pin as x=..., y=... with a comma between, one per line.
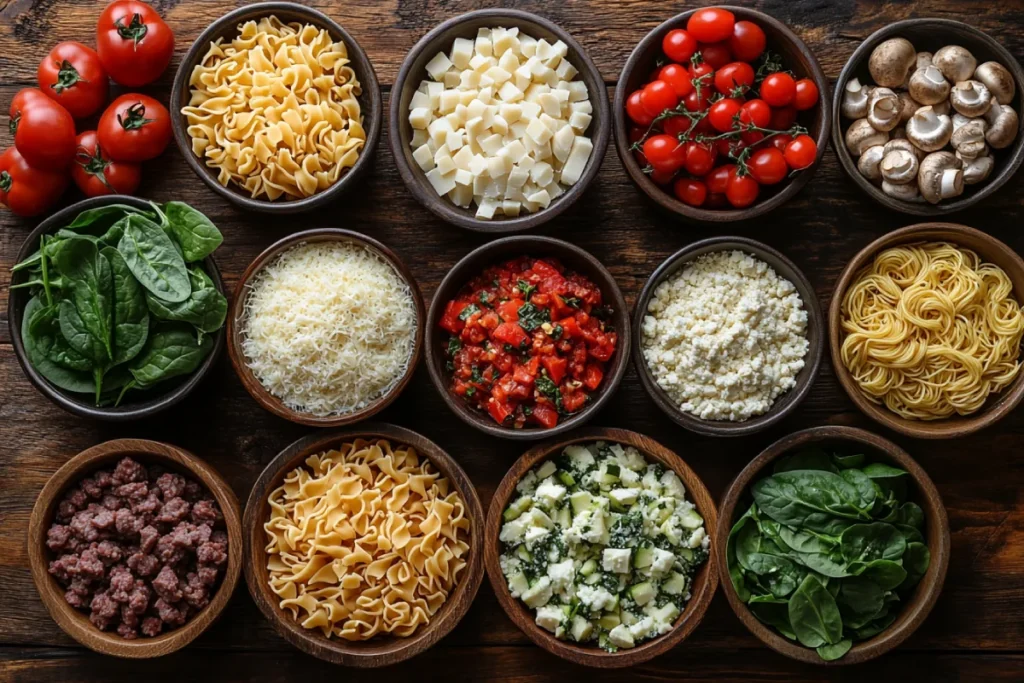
x=277, y=108
x=925, y=329
x=363, y=547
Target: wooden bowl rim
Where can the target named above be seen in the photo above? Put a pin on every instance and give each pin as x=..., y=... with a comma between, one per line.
x=490, y=254
x=236, y=312
x=16, y=303
x=665, y=199
x=76, y=624
x=996, y=408
x=704, y=584
x=338, y=651
x=370, y=101
x=599, y=130
x=1010, y=164
x=925, y=594
x=784, y=404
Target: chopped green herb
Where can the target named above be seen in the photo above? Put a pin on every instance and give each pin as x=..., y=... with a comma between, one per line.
x=531, y=317
x=453, y=346
x=468, y=311
x=556, y=333
x=526, y=288
x=470, y=392
x=572, y=302
x=548, y=388
x=486, y=298
x=476, y=376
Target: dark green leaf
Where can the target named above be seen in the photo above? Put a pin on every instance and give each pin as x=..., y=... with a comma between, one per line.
x=170, y=352
x=196, y=234
x=814, y=615
x=772, y=611
x=735, y=571
x=915, y=561
x=859, y=600
x=153, y=260
x=818, y=500
x=39, y=330
x=875, y=627
x=810, y=459
x=886, y=573
x=845, y=462
x=911, y=514
x=866, y=489
x=531, y=317
x=868, y=542
x=469, y=310
x=97, y=221
x=86, y=318
x=205, y=309
x=526, y=288
x=834, y=651
x=131, y=319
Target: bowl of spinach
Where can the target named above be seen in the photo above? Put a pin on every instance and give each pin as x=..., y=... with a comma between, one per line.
x=837, y=545
x=116, y=307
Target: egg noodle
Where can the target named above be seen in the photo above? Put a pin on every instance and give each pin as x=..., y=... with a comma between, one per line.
x=364, y=540
x=931, y=330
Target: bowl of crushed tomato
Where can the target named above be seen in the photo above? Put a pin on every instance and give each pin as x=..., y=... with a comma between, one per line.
x=528, y=337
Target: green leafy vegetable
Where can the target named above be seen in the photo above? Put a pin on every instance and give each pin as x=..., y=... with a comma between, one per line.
x=205, y=309
x=468, y=311
x=196, y=233
x=39, y=330
x=531, y=317
x=169, y=353
x=131, y=319
x=153, y=259
x=814, y=615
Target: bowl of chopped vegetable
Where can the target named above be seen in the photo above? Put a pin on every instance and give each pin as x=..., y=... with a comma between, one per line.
x=116, y=309
x=597, y=547
x=836, y=545
x=527, y=337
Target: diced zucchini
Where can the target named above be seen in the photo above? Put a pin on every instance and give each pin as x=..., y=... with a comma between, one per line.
x=546, y=470
x=518, y=507
x=691, y=519
x=643, y=592
x=685, y=554
x=517, y=584
x=593, y=579
x=627, y=617
x=643, y=557
x=612, y=469
x=614, y=604
x=566, y=610
x=667, y=613
x=564, y=517
x=582, y=629
x=589, y=567
x=616, y=506
x=675, y=584
x=566, y=478
x=581, y=500
x=524, y=554
x=609, y=620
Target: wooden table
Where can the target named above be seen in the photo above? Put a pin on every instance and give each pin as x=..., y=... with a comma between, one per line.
x=977, y=628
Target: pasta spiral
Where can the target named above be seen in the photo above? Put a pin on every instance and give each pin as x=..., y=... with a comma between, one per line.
x=931, y=330
x=364, y=540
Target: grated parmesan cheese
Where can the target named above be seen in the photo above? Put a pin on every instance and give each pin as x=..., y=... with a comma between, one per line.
x=330, y=328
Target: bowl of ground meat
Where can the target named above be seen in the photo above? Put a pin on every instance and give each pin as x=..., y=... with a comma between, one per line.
x=135, y=547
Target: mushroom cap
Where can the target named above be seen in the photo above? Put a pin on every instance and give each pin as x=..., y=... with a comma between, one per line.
x=978, y=169
x=942, y=107
x=884, y=109
x=906, y=193
x=908, y=105
x=861, y=135
x=955, y=62
x=969, y=139
x=970, y=98
x=929, y=86
x=998, y=79
x=929, y=131
x=855, y=99
x=869, y=161
x=899, y=166
x=940, y=176
x=903, y=143
x=891, y=61
x=1002, y=125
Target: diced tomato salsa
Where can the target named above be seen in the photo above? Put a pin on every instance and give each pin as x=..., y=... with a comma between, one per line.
x=529, y=342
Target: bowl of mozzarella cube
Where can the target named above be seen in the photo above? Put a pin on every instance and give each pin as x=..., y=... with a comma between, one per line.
x=598, y=547
x=498, y=120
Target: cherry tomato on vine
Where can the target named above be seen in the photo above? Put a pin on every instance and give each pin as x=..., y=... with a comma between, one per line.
x=662, y=177
x=805, y=95
x=699, y=158
x=718, y=179
x=711, y=24
x=768, y=166
x=678, y=45
x=780, y=141
x=676, y=125
x=44, y=131
x=716, y=201
x=96, y=175
x=747, y=41
x=73, y=76
x=636, y=134
x=704, y=73
x=751, y=137
x=678, y=78
x=801, y=152
x=25, y=190
x=133, y=42
x=782, y=118
x=690, y=191
x=742, y=190
x=698, y=101
x=778, y=89
x=716, y=54
x=734, y=76
x=636, y=110
x=756, y=112
x=657, y=96
x=134, y=128
x=723, y=113
x=664, y=153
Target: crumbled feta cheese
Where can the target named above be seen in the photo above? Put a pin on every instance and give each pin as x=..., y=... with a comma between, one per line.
x=662, y=561
x=561, y=574
x=534, y=533
x=616, y=560
x=623, y=496
x=539, y=593
x=549, y=617
x=696, y=538
x=673, y=485
x=596, y=598
x=641, y=628
x=512, y=532
x=621, y=637
x=549, y=493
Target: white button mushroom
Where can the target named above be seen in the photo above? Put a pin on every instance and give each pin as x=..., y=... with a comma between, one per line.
x=906, y=193
x=971, y=98
x=908, y=105
x=869, y=162
x=855, y=99
x=903, y=143
x=942, y=107
x=899, y=167
x=969, y=139
x=929, y=131
x=929, y=86
x=998, y=80
x=883, y=109
x=977, y=170
x=940, y=177
x=1002, y=125
x=924, y=59
x=891, y=61
x=956, y=63
x=861, y=135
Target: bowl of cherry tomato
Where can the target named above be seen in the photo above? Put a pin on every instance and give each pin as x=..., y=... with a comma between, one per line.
x=527, y=337
x=721, y=114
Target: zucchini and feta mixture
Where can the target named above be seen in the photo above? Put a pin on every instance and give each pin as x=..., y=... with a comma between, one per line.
x=603, y=545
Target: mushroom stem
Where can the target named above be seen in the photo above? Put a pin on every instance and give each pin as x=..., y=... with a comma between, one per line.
x=951, y=183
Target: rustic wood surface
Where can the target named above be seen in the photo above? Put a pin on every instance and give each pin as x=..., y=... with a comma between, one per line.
x=976, y=631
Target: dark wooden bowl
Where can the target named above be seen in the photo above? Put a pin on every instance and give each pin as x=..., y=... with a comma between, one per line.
x=413, y=71
x=929, y=35
x=381, y=650
x=370, y=103
x=737, y=500
x=573, y=258
x=237, y=317
x=784, y=404
x=704, y=582
x=139, y=405
x=796, y=57
x=75, y=623
x=991, y=250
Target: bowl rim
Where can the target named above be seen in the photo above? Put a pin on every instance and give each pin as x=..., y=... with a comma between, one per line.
x=492, y=253
x=1015, y=153
x=1004, y=402
x=664, y=199
x=928, y=589
x=371, y=107
x=397, y=122
x=16, y=304
x=521, y=616
x=338, y=651
x=76, y=624
x=236, y=313
x=812, y=359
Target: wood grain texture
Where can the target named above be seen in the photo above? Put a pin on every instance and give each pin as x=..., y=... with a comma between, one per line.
x=975, y=630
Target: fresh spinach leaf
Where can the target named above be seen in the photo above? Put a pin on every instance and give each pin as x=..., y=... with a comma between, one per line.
x=911, y=514
x=869, y=542
x=780, y=575
x=469, y=310
x=804, y=541
x=196, y=233
x=810, y=459
x=735, y=571
x=153, y=259
x=875, y=627
x=814, y=499
x=814, y=615
x=886, y=573
x=915, y=561
x=97, y=221
x=859, y=600
x=531, y=317
x=205, y=309
x=834, y=651
x=772, y=611
x=867, y=492
x=86, y=318
x=526, y=288
x=845, y=462
x=171, y=351
x=131, y=319
x=911, y=534
x=39, y=330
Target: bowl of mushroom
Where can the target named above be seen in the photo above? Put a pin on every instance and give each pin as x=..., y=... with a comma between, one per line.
x=929, y=112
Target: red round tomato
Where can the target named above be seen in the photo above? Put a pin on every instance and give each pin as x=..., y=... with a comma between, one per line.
x=134, y=128
x=750, y=138
x=723, y=113
x=690, y=191
x=742, y=190
x=806, y=94
x=73, y=76
x=734, y=78
x=657, y=96
x=778, y=89
x=768, y=166
x=703, y=73
x=134, y=43
x=780, y=141
x=711, y=24
x=716, y=54
x=44, y=131
x=782, y=118
x=662, y=177
x=718, y=178
x=635, y=110
x=678, y=45
x=716, y=201
x=801, y=152
x=747, y=41
x=756, y=112
x=676, y=125
x=698, y=101
x=699, y=158
x=25, y=190
x=96, y=175
x=678, y=78
x=664, y=152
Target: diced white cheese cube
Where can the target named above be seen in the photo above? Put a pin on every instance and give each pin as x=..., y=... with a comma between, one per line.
x=662, y=561
x=498, y=167
x=478, y=165
x=481, y=63
x=538, y=132
x=437, y=66
x=497, y=75
x=616, y=560
x=508, y=61
x=461, y=196
x=463, y=158
x=462, y=52
x=486, y=93
x=508, y=92
x=448, y=100
x=463, y=177
x=621, y=637
x=534, y=532
x=491, y=144
x=484, y=46
x=623, y=496
x=485, y=210
x=539, y=593
x=549, y=617
x=510, y=208
x=518, y=176
x=577, y=161
x=549, y=104
x=584, y=106
x=641, y=628
x=420, y=100
x=594, y=598
x=579, y=121
x=445, y=164
x=542, y=173
x=561, y=574
x=467, y=96
x=454, y=140
x=696, y=538
x=469, y=79
x=499, y=125
x=419, y=137
x=510, y=112
x=565, y=70
x=419, y=118
x=673, y=485
x=531, y=110
x=578, y=91
x=561, y=144
x=527, y=45
x=512, y=532
x=549, y=493
x=541, y=198
x=423, y=158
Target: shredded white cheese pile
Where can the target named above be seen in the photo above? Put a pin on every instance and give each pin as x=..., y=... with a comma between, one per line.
x=330, y=328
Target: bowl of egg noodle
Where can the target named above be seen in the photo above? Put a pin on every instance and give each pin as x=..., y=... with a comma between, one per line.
x=277, y=108
x=925, y=328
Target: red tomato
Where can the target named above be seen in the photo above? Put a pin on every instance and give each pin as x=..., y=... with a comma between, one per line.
x=134, y=43
x=692, y=192
x=44, y=131
x=716, y=201
x=806, y=94
x=768, y=166
x=747, y=41
x=698, y=158
x=73, y=76
x=676, y=126
x=657, y=96
x=664, y=152
x=97, y=175
x=711, y=25
x=678, y=45
x=742, y=190
x=801, y=152
x=25, y=190
x=778, y=89
x=734, y=76
x=780, y=141
x=716, y=54
x=134, y=128
x=697, y=103
x=677, y=76
x=636, y=110
x=782, y=118
x=662, y=177
x=718, y=179
x=704, y=73
x=722, y=114
x=751, y=137
x=756, y=112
